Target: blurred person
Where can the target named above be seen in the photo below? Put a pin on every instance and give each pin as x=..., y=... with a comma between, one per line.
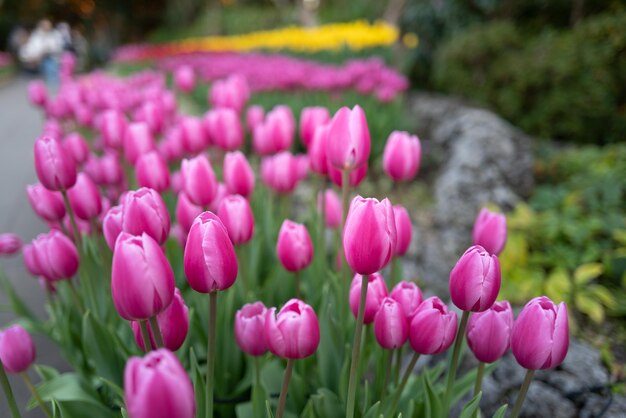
x=43, y=49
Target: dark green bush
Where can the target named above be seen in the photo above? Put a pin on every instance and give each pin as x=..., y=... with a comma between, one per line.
x=568, y=85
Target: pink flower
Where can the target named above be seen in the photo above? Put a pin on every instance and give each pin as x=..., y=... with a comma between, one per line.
x=199, y=181
x=402, y=155
x=254, y=116
x=85, y=198
x=348, y=139
x=238, y=175
x=332, y=208
x=193, y=134
x=224, y=128
x=489, y=332
x=391, y=327
x=475, y=280
x=310, y=119
x=317, y=150
x=236, y=215
x=250, y=328
x=433, y=327
x=376, y=292
x=490, y=231
x=184, y=78
x=143, y=210
x=137, y=141
x=9, y=243
x=295, y=332
x=47, y=205
x=151, y=171
x=186, y=212
x=55, y=168
x=404, y=229
x=280, y=172
x=409, y=296
x=17, y=349
x=56, y=257
x=112, y=225
x=294, y=246
x=77, y=147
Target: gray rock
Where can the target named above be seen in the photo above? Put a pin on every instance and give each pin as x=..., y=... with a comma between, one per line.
x=604, y=406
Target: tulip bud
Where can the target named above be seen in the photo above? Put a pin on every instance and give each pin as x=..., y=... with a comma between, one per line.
x=280, y=172
x=77, y=147
x=219, y=196
x=9, y=244
x=55, y=168
x=369, y=236
x=236, y=215
x=317, y=150
x=254, y=116
x=489, y=332
x=349, y=139
x=224, y=128
x=152, y=114
x=186, y=212
x=137, y=141
x=144, y=211
x=404, y=229
x=30, y=260
x=281, y=127
x=475, y=280
x=490, y=231
x=111, y=169
x=199, y=182
x=402, y=155
x=52, y=128
x=261, y=141
x=433, y=327
x=37, y=93
x=142, y=280
x=193, y=135
x=47, y=205
x=540, y=336
x=210, y=260
x=332, y=208
x=238, y=175
x=294, y=246
x=391, y=327
x=294, y=333
x=184, y=78
x=302, y=166
x=17, y=349
x=157, y=386
x=232, y=92
x=250, y=328
x=112, y=225
x=376, y=292
x=85, y=198
x=152, y=172
x=409, y=296
x=310, y=119
x=173, y=324
x=56, y=256
x=354, y=179
x=113, y=128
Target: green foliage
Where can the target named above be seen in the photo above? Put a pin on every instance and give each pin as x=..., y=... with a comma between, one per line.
x=568, y=85
x=568, y=242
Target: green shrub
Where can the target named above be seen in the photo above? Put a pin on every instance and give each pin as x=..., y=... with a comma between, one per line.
x=568, y=85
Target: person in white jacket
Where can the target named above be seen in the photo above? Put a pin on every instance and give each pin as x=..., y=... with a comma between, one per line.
x=43, y=49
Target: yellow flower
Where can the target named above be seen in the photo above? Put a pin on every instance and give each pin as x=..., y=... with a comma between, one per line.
x=410, y=40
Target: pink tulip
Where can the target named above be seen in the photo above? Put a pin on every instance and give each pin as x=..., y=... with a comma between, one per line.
x=186, y=212
x=199, y=182
x=402, y=155
x=111, y=169
x=232, y=92
x=85, y=198
x=151, y=171
x=55, y=168
x=157, y=386
x=294, y=333
x=193, y=135
x=404, y=230
x=142, y=280
x=236, y=215
x=332, y=208
x=376, y=292
x=262, y=141
x=47, y=205
x=219, y=196
x=294, y=246
x=280, y=172
x=302, y=166
x=184, y=78
x=152, y=114
x=55, y=256
x=391, y=327
x=112, y=225
x=354, y=179
x=224, y=128
x=113, y=128
x=254, y=116
x=540, y=336
x=281, y=126
x=369, y=236
x=17, y=349
x=144, y=211
x=489, y=332
x=433, y=327
x=409, y=296
x=77, y=147
x=490, y=231
x=310, y=119
x=30, y=260
x=9, y=243
x=210, y=260
x=37, y=93
x=475, y=280
x=349, y=139
x=318, y=149
x=238, y=175
x=173, y=324
x=137, y=141
x=250, y=328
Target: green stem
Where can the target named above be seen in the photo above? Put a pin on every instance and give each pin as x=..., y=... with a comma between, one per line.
x=522, y=394
x=455, y=360
x=356, y=349
x=283, y=390
x=77, y=300
x=241, y=261
x=8, y=392
x=345, y=189
x=70, y=212
x=156, y=331
x=145, y=336
x=257, y=371
x=405, y=379
x=297, y=283
x=479, y=382
x=210, y=364
x=101, y=247
x=388, y=367
x=35, y=393
x=398, y=366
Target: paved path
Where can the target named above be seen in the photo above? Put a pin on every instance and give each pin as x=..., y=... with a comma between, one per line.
x=20, y=124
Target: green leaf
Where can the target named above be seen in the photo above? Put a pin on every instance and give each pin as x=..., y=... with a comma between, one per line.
x=259, y=397
x=591, y=307
x=434, y=408
x=198, y=384
x=374, y=411
x=68, y=387
x=604, y=295
x=105, y=358
x=268, y=410
x=472, y=406
x=501, y=411
x=327, y=404
x=587, y=272
x=45, y=372
x=19, y=307
x=558, y=285
x=463, y=385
